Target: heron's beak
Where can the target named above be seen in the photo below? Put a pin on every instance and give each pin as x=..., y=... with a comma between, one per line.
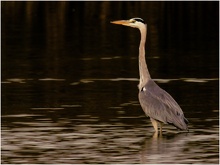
x=121, y=22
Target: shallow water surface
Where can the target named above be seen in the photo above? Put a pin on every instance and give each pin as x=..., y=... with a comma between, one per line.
x=95, y=130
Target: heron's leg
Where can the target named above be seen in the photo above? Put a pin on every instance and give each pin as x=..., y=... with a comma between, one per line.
x=155, y=135
x=154, y=123
x=161, y=125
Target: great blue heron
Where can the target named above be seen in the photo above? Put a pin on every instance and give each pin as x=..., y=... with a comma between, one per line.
x=156, y=102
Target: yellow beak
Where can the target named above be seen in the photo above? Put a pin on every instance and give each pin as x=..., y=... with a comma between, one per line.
x=121, y=22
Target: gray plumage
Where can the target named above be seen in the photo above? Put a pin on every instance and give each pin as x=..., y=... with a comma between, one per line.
x=159, y=105
x=156, y=103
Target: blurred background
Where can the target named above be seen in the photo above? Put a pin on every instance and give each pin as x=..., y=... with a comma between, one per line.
x=69, y=81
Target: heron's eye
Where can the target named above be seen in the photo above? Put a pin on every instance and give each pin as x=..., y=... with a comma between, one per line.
x=132, y=21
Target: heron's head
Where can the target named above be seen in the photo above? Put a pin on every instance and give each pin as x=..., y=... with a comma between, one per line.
x=133, y=22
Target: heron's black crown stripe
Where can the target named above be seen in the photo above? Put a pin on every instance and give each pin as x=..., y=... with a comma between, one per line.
x=139, y=20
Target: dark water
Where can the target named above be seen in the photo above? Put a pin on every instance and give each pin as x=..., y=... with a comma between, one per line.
x=69, y=82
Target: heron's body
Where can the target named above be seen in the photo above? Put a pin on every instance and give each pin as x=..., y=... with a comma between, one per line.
x=155, y=102
x=160, y=106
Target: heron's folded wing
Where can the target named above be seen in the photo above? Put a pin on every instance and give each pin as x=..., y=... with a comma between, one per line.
x=160, y=105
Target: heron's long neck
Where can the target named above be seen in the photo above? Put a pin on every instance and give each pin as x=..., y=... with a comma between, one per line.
x=143, y=70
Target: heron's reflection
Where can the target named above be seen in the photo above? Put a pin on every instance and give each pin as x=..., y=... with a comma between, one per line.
x=157, y=135
x=160, y=146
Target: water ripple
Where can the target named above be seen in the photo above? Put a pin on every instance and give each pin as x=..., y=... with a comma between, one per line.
x=69, y=142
